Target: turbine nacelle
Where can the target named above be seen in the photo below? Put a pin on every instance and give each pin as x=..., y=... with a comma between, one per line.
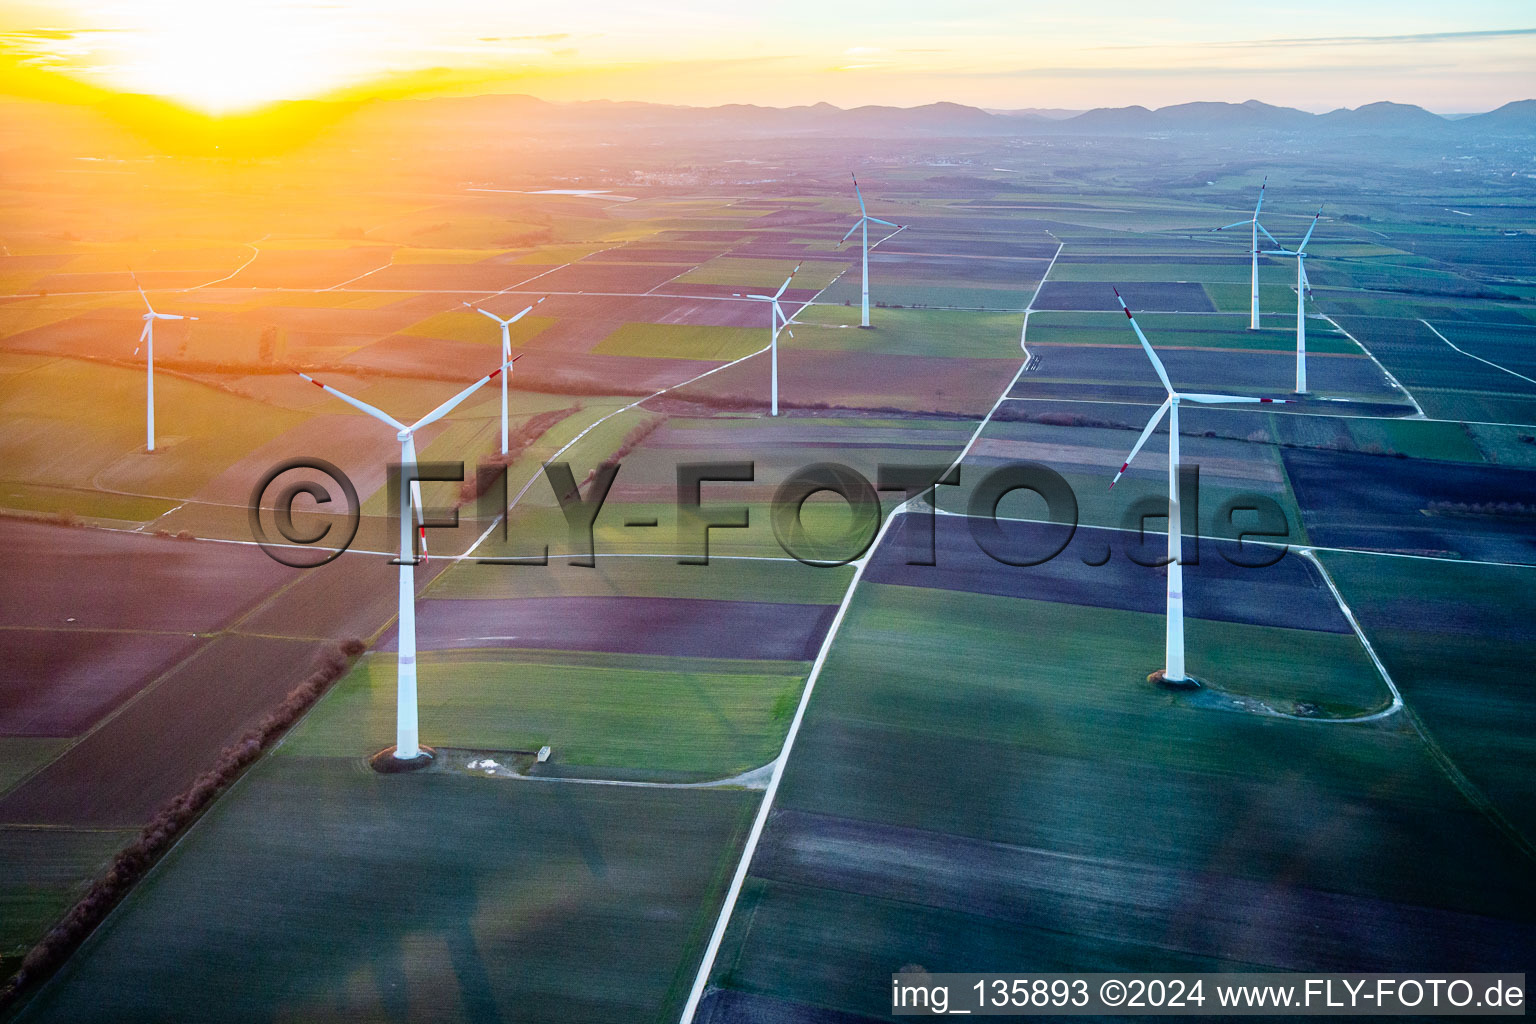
x=1253, y=220
x=510, y=320
x=864, y=217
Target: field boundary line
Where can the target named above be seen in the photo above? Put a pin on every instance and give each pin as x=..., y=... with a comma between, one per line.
x=1024, y=330
x=1469, y=355
x=1465, y=786
x=1354, y=623
x=760, y=821
x=1390, y=375
x=1334, y=415
x=765, y=807
x=367, y=273
x=255, y=252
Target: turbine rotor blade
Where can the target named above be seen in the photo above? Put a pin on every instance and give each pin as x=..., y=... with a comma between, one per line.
x=1157, y=364
x=1269, y=236
x=1302, y=247
x=1256, y=206
x=877, y=220
x=1227, y=399
x=857, y=224
x=361, y=406
x=1146, y=432
x=452, y=403
x=785, y=286
x=528, y=309
x=1234, y=224
x=862, y=212
x=141, y=291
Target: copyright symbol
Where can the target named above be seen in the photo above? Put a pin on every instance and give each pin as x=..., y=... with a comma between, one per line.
x=281, y=505
x=1112, y=992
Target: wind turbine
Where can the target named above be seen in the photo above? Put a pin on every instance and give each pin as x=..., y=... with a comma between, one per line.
x=506, y=358
x=1253, y=310
x=1303, y=289
x=147, y=337
x=865, y=220
x=407, y=752
x=776, y=319
x=1173, y=665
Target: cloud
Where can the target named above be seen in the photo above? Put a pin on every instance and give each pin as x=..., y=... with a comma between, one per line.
x=1176, y=72
x=1419, y=37
x=553, y=37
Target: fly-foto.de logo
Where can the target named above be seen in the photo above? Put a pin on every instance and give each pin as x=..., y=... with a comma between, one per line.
x=305, y=513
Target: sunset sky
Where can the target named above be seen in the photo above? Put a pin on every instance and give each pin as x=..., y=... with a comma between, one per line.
x=232, y=55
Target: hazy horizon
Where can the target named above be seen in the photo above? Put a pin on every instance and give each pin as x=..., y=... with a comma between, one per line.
x=240, y=56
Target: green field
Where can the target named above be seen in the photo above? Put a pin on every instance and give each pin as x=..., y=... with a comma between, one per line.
x=778, y=578
x=1458, y=642
x=469, y=326
x=915, y=332
x=762, y=273
x=682, y=341
x=471, y=899
x=629, y=716
x=1176, y=330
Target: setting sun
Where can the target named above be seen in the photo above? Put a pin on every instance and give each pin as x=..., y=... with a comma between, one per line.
x=231, y=57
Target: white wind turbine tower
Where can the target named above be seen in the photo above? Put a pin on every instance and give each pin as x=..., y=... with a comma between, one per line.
x=506, y=358
x=1253, y=250
x=1173, y=666
x=865, y=220
x=776, y=320
x=147, y=338
x=407, y=750
x=1303, y=289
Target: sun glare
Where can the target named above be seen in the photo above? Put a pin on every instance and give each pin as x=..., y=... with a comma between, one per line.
x=229, y=56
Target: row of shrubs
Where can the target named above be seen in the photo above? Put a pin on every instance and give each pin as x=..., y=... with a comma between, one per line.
x=632, y=440
x=1072, y=419
x=518, y=441
x=68, y=518
x=132, y=862
x=1495, y=509
x=61, y=518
